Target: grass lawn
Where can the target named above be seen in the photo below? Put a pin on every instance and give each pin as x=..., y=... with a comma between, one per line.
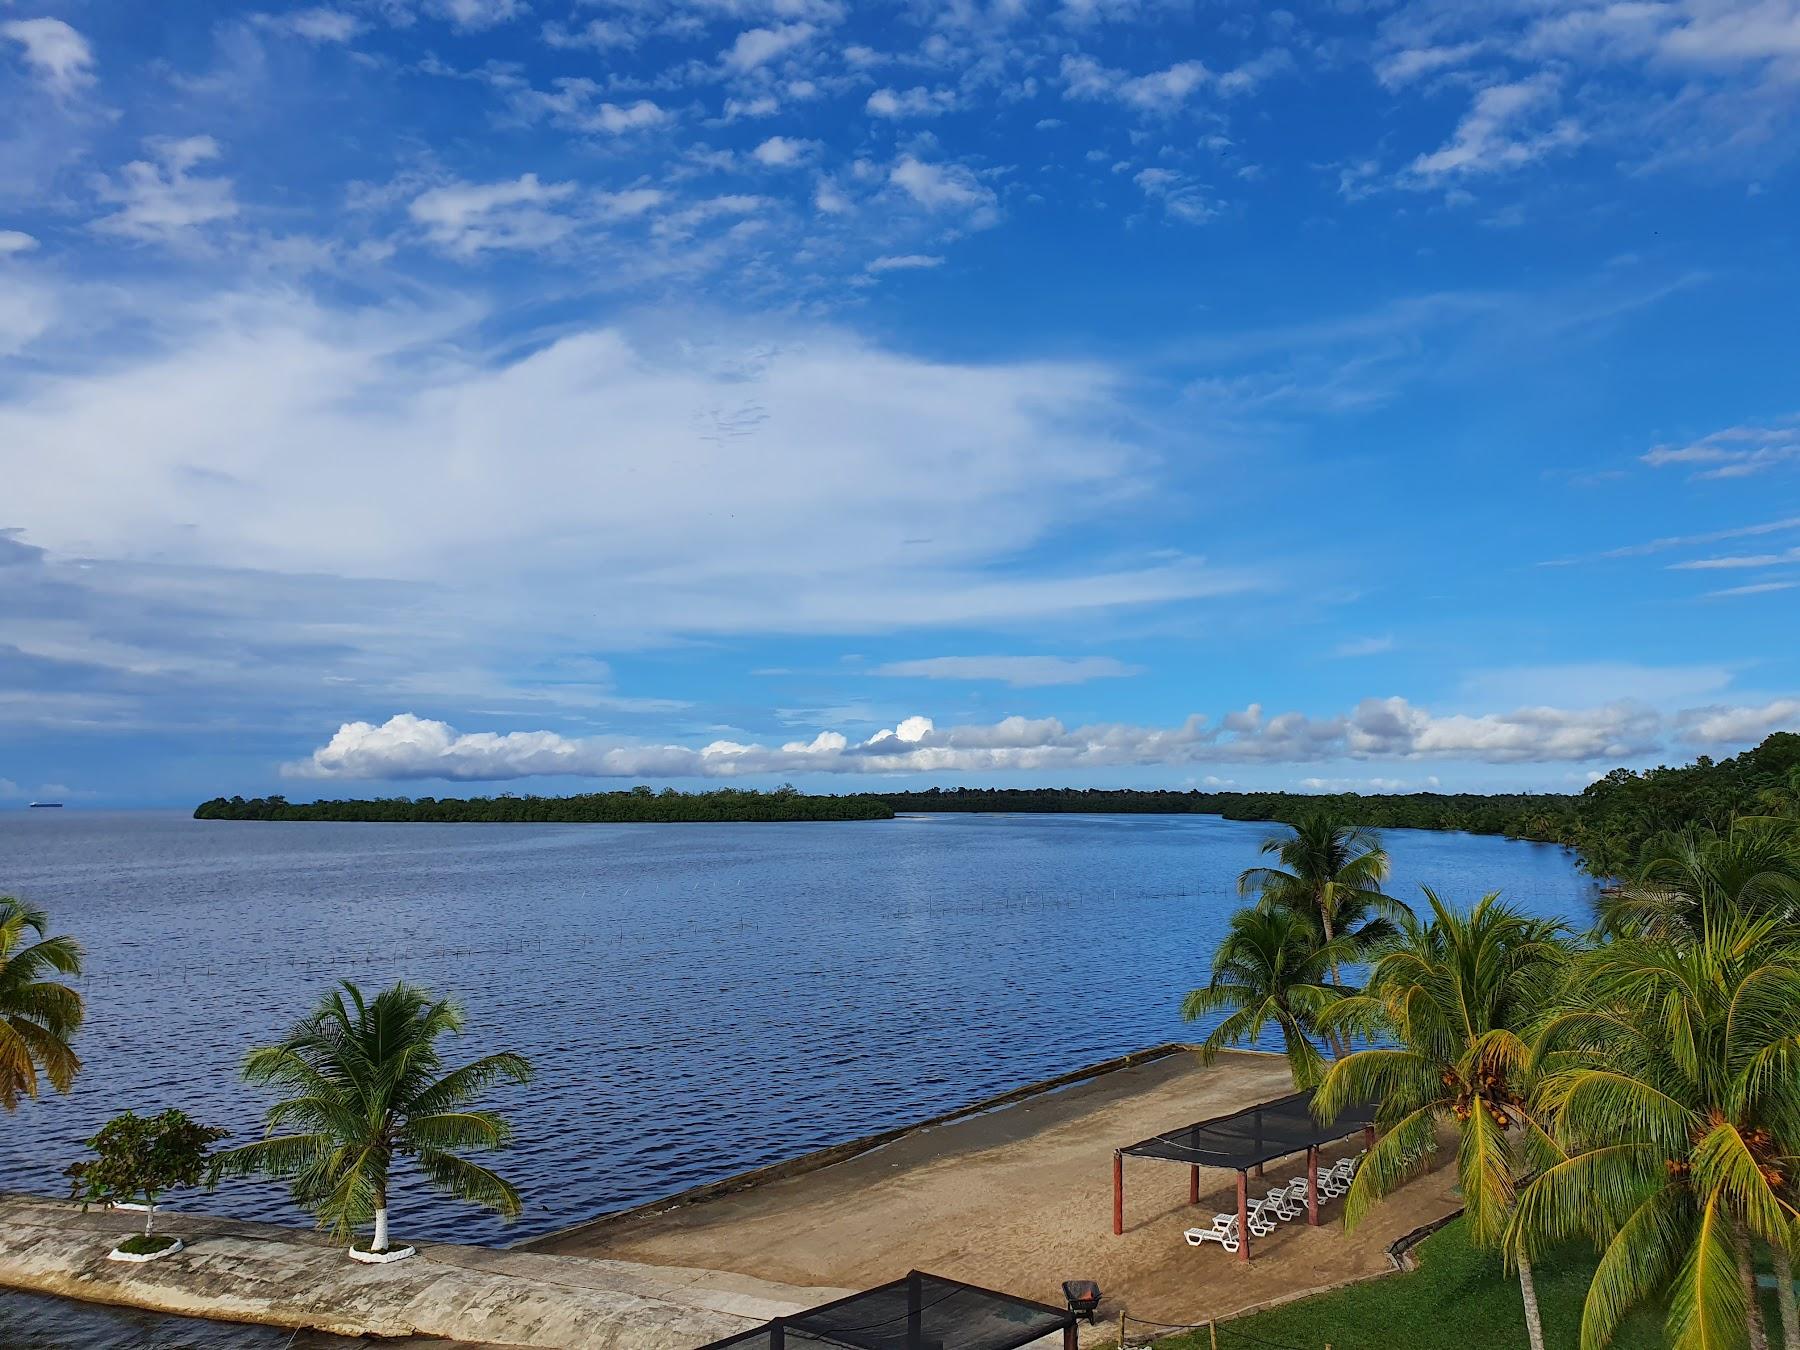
x=1457, y=1298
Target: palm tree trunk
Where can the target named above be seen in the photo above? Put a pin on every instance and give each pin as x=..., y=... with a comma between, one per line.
x=1534, y=1322
x=1753, y=1318
x=381, y=1236
x=1337, y=1042
x=149, y=1214
x=1784, y=1295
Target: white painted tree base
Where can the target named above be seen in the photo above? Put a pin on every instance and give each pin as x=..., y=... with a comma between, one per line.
x=369, y=1258
x=139, y=1257
x=136, y=1206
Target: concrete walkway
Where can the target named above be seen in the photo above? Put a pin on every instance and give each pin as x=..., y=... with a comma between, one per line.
x=249, y=1272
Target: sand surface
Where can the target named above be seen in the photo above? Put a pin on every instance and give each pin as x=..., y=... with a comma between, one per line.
x=1020, y=1199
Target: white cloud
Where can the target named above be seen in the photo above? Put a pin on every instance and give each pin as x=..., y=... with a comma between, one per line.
x=58, y=56
x=758, y=46
x=1164, y=92
x=1739, y=727
x=575, y=103
x=1180, y=198
x=15, y=241
x=27, y=312
x=160, y=200
x=1408, y=64
x=1755, y=588
x=1737, y=560
x=407, y=746
x=1735, y=452
x=763, y=105
x=766, y=480
x=478, y=14
x=915, y=102
x=939, y=187
x=1495, y=134
x=630, y=203
x=315, y=25
x=905, y=262
x=1677, y=541
x=784, y=152
x=829, y=199
x=465, y=219
x=1022, y=672
x=1367, y=646
x=596, y=35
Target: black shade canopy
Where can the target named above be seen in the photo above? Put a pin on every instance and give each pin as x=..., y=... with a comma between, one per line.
x=915, y=1312
x=1257, y=1134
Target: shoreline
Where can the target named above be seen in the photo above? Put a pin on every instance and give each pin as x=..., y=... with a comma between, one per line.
x=1007, y=1191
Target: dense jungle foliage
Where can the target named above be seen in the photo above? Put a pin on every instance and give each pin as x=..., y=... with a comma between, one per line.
x=639, y=804
x=1611, y=824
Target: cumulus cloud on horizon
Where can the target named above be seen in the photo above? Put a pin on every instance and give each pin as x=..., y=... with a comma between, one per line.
x=411, y=747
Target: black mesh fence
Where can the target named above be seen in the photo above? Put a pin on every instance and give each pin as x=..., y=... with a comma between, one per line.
x=1255, y=1135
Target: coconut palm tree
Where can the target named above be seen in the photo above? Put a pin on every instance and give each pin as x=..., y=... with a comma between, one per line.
x=1452, y=997
x=369, y=1087
x=37, y=1015
x=1332, y=873
x=1270, y=970
x=1674, y=1083
x=1753, y=867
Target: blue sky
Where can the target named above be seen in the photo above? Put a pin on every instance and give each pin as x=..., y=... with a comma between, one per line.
x=399, y=393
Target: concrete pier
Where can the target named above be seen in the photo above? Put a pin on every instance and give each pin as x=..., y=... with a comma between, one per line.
x=288, y=1277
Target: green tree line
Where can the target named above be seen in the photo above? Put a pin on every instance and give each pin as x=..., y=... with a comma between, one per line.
x=1616, y=824
x=639, y=804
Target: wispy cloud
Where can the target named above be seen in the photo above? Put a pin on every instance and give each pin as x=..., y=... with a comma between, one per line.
x=1735, y=452
x=1364, y=646
x=1021, y=672
x=57, y=54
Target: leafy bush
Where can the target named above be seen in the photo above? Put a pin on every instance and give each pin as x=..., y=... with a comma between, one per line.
x=142, y=1156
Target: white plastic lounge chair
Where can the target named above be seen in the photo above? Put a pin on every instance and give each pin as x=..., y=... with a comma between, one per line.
x=1263, y=1218
x=1281, y=1201
x=1224, y=1232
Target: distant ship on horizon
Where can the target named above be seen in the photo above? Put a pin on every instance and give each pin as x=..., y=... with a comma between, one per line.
x=46, y=806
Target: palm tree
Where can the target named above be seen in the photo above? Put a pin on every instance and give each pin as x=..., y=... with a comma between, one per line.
x=1270, y=970
x=1753, y=868
x=1674, y=1079
x=1331, y=872
x=37, y=1015
x=369, y=1087
x=1452, y=997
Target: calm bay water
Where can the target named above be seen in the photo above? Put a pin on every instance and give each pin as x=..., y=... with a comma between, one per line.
x=697, y=999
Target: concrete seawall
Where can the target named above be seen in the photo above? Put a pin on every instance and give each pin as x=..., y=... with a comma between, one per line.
x=286, y=1277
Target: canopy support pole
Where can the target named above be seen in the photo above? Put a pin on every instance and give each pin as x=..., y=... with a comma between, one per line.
x=1312, y=1185
x=1070, y=1340
x=1194, y=1184
x=1243, y=1216
x=1368, y=1136
x=1118, y=1192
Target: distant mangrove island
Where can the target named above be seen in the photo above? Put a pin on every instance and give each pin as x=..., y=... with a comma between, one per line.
x=1610, y=823
x=640, y=804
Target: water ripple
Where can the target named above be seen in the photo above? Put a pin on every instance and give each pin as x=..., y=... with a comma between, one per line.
x=698, y=1000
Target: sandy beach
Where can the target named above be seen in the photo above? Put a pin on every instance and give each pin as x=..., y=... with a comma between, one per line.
x=1020, y=1199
